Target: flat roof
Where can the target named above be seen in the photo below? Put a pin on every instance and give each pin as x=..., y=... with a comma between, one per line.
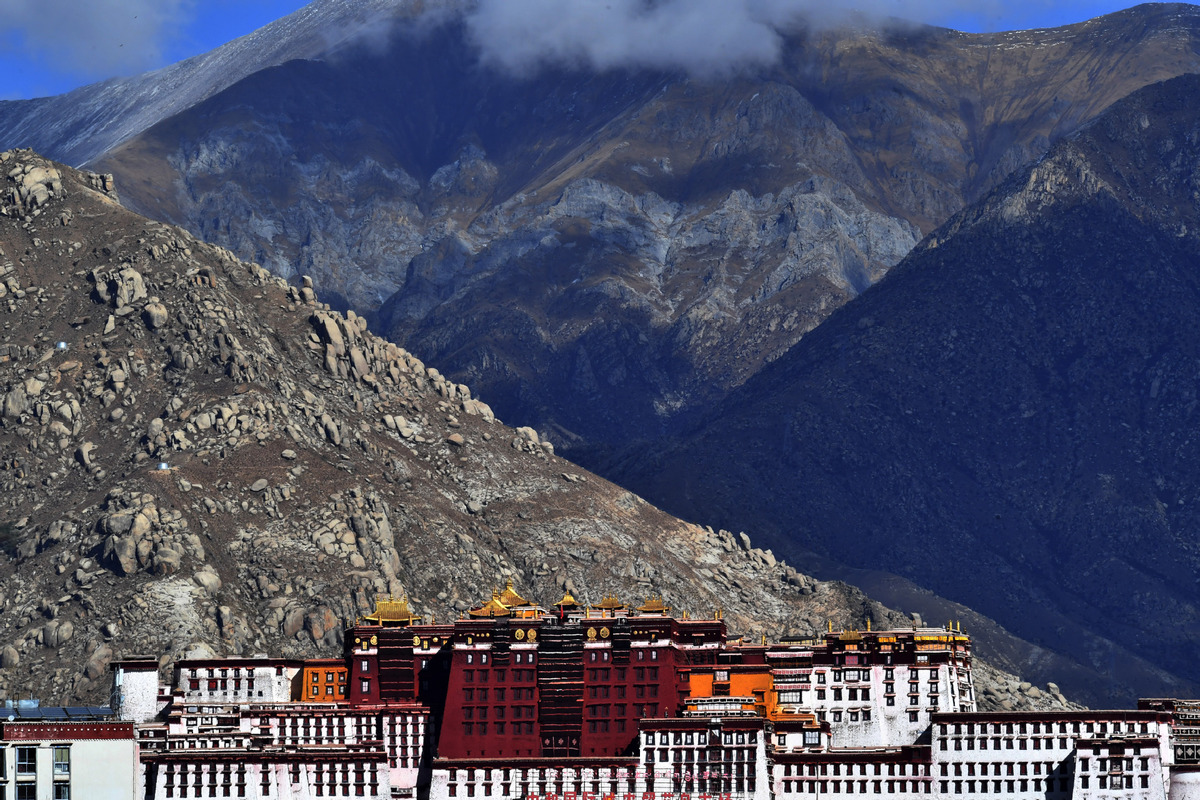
x=56, y=714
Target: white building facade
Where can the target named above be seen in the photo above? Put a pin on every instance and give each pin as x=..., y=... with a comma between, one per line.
x=61, y=760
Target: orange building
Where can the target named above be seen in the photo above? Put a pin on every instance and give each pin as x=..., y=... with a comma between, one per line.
x=746, y=685
x=323, y=681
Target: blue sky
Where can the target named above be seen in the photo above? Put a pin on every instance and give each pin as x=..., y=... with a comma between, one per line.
x=52, y=46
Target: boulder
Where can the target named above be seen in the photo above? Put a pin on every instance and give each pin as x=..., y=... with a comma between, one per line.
x=131, y=287
x=16, y=403
x=9, y=657
x=330, y=333
x=120, y=552
x=293, y=622
x=155, y=315
x=98, y=663
x=208, y=580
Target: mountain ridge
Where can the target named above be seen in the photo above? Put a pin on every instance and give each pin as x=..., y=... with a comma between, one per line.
x=89, y=121
x=1014, y=394
x=676, y=235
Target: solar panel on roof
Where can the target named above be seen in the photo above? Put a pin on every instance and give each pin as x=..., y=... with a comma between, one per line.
x=58, y=713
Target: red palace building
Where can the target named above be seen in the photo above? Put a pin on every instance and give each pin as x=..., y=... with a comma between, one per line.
x=514, y=680
x=515, y=701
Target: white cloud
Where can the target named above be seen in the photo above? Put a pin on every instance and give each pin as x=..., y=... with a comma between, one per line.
x=92, y=38
x=703, y=37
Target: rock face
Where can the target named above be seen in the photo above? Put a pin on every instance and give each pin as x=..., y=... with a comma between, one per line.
x=247, y=471
x=1016, y=400
x=605, y=256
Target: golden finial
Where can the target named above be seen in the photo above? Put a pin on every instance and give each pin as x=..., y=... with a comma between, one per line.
x=868, y=624
x=829, y=624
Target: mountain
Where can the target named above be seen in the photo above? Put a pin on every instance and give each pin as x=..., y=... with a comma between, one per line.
x=200, y=458
x=605, y=255
x=1008, y=417
x=81, y=125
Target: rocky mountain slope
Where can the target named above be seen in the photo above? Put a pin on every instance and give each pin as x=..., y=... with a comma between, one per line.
x=81, y=125
x=198, y=457
x=604, y=255
x=1016, y=400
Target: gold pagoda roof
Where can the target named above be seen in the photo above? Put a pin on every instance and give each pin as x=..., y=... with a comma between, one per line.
x=510, y=598
x=609, y=603
x=392, y=611
x=492, y=608
x=654, y=605
x=568, y=601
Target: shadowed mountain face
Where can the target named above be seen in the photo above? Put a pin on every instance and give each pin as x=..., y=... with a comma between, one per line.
x=604, y=256
x=1009, y=416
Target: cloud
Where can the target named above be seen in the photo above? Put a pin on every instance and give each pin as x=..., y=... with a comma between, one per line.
x=706, y=38
x=91, y=38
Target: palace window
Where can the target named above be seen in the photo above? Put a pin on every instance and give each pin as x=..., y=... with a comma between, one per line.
x=62, y=760
x=26, y=760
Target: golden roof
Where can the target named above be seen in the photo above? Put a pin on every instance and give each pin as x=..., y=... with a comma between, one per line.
x=654, y=605
x=492, y=608
x=567, y=601
x=609, y=603
x=392, y=611
x=510, y=598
